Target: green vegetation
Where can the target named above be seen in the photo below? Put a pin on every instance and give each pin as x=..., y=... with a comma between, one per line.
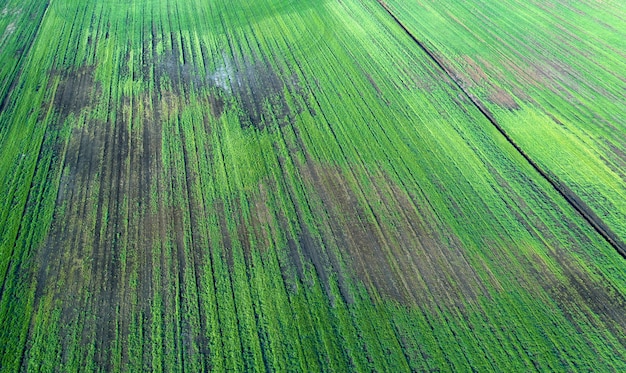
x=297, y=186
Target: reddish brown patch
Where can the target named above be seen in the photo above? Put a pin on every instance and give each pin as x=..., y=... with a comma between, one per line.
x=530, y=75
x=478, y=77
x=503, y=99
x=261, y=218
x=474, y=70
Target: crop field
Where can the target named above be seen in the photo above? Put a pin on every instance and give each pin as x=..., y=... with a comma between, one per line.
x=558, y=74
x=335, y=185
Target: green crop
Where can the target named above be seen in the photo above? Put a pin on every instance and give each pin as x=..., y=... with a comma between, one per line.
x=309, y=186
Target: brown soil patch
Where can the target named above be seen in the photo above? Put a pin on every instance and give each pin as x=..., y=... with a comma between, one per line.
x=260, y=90
x=503, y=99
x=476, y=76
x=76, y=90
x=474, y=70
x=216, y=104
x=530, y=75
x=97, y=260
x=599, y=303
x=261, y=218
x=251, y=84
x=394, y=248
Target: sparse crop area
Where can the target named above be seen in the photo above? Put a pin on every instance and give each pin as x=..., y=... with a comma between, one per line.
x=354, y=185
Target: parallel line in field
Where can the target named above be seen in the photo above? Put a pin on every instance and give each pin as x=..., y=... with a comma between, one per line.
x=5, y=99
x=3, y=104
x=576, y=202
x=332, y=130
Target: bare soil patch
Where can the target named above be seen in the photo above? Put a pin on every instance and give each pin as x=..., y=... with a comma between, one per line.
x=477, y=77
x=77, y=90
x=503, y=99
x=260, y=91
x=250, y=85
x=474, y=70
x=97, y=261
x=394, y=249
x=581, y=294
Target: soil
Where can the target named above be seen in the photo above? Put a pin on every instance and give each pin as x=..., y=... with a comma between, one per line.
x=474, y=70
x=251, y=84
x=103, y=229
x=583, y=294
x=76, y=90
x=503, y=99
x=260, y=91
x=392, y=249
x=476, y=76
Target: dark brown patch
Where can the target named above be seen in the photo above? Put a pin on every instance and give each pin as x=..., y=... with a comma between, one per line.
x=261, y=218
x=76, y=90
x=260, y=91
x=257, y=88
x=182, y=73
x=226, y=243
x=216, y=104
x=391, y=248
x=601, y=304
x=98, y=258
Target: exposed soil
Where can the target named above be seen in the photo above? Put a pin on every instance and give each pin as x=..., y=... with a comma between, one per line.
x=103, y=230
x=476, y=76
x=260, y=91
x=117, y=238
x=578, y=204
x=392, y=249
x=503, y=99
x=76, y=90
x=226, y=243
x=252, y=85
x=216, y=104
x=261, y=217
x=583, y=295
x=412, y=80
x=474, y=70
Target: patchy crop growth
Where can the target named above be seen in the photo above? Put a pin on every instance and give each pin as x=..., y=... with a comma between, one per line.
x=333, y=186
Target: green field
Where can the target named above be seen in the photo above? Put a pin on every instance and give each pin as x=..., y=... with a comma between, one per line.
x=330, y=185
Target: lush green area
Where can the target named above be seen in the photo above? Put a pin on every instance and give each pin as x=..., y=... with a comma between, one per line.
x=287, y=185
